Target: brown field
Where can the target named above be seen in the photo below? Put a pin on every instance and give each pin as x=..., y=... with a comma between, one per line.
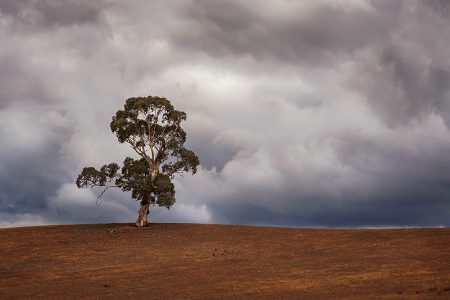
x=190, y=261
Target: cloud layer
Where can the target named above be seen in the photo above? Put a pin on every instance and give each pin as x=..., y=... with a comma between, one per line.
x=321, y=113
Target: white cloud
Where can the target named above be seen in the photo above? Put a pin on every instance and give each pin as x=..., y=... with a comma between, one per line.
x=181, y=213
x=21, y=220
x=79, y=205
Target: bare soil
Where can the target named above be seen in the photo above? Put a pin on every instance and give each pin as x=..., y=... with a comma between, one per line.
x=192, y=261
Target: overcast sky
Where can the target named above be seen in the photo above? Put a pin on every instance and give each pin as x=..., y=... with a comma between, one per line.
x=303, y=113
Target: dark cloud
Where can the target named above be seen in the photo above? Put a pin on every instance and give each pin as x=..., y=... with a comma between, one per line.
x=31, y=166
x=223, y=28
x=406, y=87
x=18, y=84
x=48, y=14
x=440, y=7
x=440, y=92
x=320, y=113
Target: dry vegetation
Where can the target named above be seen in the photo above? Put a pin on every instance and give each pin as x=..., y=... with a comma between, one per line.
x=189, y=261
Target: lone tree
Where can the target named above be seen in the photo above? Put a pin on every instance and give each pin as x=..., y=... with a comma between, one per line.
x=151, y=126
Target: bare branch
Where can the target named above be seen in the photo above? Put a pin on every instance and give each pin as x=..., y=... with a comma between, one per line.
x=99, y=198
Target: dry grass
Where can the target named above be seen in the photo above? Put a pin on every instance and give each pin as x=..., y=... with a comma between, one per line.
x=189, y=261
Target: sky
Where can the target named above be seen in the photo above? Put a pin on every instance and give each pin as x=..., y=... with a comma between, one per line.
x=328, y=113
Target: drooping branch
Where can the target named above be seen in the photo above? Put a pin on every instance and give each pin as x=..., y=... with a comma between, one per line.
x=99, y=198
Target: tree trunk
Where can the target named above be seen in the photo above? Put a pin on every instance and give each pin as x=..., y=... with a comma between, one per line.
x=142, y=220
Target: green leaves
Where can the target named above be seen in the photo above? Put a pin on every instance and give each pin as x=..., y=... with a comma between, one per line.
x=145, y=116
x=136, y=177
x=186, y=161
x=91, y=177
x=152, y=127
x=164, y=190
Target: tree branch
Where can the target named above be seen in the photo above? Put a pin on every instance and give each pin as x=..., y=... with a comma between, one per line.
x=99, y=198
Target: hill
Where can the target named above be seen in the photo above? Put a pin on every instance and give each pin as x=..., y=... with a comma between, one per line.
x=192, y=261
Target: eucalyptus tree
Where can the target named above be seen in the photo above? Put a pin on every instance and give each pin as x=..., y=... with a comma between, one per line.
x=152, y=127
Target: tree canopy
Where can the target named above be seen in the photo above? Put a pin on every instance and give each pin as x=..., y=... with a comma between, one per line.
x=152, y=127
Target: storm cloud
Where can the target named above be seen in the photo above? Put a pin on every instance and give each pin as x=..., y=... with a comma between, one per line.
x=313, y=113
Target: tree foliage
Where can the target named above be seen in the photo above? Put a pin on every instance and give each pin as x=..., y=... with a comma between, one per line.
x=152, y=127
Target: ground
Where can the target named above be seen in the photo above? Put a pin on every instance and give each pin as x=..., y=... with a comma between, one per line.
x=192, y=261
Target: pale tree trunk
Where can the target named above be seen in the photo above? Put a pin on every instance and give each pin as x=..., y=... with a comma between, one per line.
x=142, y=220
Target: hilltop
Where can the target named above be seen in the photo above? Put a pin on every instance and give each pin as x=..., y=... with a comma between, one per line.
x=193, y=261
